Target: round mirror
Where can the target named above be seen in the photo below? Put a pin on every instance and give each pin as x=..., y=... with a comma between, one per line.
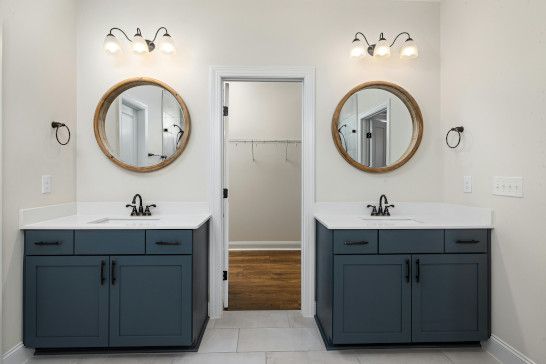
x=377, y=127
x=142, y=124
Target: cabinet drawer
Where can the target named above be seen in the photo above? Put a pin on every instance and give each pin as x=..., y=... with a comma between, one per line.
x=168, y=241
x=107, y=242
x=411, y=241
x=49, y=242
x=355, y=241
x=466, y=241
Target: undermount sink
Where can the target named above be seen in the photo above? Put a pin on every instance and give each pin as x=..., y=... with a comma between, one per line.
x=390, y=221
x=130, y=221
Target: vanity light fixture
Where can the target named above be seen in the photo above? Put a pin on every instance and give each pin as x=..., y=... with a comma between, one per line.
x=139, y=44
x=382, y=49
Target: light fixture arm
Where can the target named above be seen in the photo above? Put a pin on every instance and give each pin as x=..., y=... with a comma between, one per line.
x=396, y=38
x=363, y=36
x=157, y=32
x=122, y=32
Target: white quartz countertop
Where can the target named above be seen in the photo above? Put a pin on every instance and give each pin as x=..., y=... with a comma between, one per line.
x=406, y=216
x=113, y=215
x=88, y=222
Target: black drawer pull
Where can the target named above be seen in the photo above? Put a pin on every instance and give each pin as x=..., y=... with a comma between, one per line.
x=361, y=242
x=417, y=270
x=467, y=241
x=102, y=277
x=167, y=243
x=113, y=273
x=41, y=243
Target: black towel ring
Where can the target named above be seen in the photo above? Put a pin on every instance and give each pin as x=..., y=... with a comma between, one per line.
x=459, y=130
x=56, y=125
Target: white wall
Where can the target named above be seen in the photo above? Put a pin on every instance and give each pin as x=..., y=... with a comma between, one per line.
x=39, y=85
x=265, y=194
x=317, y=33
x=494, y=84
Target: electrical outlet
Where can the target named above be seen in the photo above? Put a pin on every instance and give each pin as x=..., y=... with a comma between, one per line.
x=46, y=184
x=467, y=184
x=508, y=186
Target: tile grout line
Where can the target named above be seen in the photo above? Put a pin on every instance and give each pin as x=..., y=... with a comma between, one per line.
x=447, y=356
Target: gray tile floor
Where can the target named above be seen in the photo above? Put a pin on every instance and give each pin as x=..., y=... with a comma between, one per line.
x=277, y=337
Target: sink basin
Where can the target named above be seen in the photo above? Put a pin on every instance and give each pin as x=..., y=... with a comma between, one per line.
x=390, y=221
x=128, y=221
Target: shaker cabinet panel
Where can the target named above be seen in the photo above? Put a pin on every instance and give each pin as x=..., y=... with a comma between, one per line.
x=66, y=301
x=449, y=298
x=371, y=299
x=151, y=300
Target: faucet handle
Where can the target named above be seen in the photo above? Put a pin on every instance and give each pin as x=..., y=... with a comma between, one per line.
x=386, y=212
x=134, y=212
x=147, y=211
x=374, y=209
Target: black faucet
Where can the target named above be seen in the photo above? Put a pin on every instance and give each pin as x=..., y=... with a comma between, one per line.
x=383, y=210
x=140, y=208
x=141, y=211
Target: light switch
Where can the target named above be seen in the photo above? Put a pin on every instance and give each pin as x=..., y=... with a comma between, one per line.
x=467, y=184
x=508, y=186
x=46, y=183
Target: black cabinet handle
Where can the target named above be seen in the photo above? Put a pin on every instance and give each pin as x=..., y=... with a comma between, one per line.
x=113, y=273
x=48, y=242
x=102, y=277
x=467, y=241
x=407, y=270
x=350, y=242
x=167, y=243
x=417, y=270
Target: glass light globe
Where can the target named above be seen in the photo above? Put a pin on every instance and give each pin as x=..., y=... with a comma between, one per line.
x=409, y=50
x=166, y=44
x=139, y=44
x=111, y=44
x=382, y=49
x=357, y=49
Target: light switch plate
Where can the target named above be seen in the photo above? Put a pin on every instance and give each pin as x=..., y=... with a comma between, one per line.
x=508, y=186
x=467, y=184
x=46, y=183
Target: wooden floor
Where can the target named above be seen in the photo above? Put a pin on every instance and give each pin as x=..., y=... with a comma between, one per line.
x=264, y=280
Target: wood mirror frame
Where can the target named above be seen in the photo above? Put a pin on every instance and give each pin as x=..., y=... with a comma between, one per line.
x=108, y=99
x=416, y=117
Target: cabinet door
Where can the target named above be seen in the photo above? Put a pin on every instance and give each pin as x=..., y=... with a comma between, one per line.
x=66, y=301
x=449, y=297
x=372, y=299
x=150, y=301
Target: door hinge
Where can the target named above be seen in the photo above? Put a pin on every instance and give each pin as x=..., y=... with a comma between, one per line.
x=225, y=193
x=226, y=111
x=225, y=275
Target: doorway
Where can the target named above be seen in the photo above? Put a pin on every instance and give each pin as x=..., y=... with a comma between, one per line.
x=262, y=177
x=375, y=141
x=219, y=74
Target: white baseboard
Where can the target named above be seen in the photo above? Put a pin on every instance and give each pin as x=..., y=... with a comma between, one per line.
x=265, y=245
x=505, y=353
x=17, y=355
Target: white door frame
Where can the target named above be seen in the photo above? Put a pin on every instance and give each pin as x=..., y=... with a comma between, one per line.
x=276, y=73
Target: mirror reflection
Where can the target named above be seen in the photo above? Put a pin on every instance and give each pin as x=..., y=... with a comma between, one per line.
x=144, y=125
x=375, y=127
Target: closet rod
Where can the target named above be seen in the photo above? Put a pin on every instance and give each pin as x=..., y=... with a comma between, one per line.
x=261, y=141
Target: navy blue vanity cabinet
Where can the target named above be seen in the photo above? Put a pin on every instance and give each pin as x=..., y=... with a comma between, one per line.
x=418, y=286
x=66, y=301
x=449, y=297
x=150, y=301
x=116, y=289
x=371, y=303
